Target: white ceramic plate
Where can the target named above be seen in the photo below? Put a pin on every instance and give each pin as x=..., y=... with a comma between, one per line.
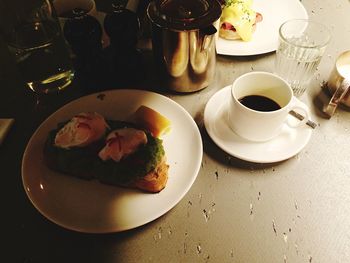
x=265, y=38
x=287, y=144
x=92, y=207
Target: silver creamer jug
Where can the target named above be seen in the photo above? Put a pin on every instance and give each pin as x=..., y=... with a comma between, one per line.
x=339, y=84
x=183, y=41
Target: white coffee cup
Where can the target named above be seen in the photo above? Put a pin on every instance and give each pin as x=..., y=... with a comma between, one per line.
x=257, y=124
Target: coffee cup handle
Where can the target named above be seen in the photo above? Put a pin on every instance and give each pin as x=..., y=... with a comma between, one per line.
x=300, y=108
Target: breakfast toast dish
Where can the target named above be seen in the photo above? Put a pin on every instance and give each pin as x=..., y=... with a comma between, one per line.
x=121, y=153
x=238, y=20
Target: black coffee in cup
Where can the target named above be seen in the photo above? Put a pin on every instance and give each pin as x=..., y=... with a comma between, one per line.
x=259, y=103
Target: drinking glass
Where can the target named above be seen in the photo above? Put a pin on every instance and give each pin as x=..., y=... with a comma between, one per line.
x=302, y=44
x=42, y=58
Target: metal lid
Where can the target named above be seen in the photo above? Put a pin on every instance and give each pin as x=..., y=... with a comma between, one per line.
x=184, y=14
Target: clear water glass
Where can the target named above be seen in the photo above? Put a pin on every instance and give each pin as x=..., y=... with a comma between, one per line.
x=302, y=44
x=40, y=51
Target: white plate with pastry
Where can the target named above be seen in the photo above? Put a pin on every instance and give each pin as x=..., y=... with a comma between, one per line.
x=265, y=37
x=92, y=207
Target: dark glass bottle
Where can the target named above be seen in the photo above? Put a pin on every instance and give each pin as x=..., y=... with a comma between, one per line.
x=122, y=26
x=83, y=33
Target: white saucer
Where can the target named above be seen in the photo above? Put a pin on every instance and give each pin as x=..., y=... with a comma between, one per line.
x=287, y=144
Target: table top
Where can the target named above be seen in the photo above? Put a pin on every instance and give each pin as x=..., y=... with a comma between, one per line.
x=296, y=210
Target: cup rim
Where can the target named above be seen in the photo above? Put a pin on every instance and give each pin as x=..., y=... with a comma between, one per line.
x=340, y=56
x=262, y=73
x=306, y=20
x=67, y=5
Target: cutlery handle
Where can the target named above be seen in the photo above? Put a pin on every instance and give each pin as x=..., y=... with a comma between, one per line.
x=310, y=123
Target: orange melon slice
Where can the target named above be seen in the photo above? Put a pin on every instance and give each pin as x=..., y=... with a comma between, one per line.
x=151, y=120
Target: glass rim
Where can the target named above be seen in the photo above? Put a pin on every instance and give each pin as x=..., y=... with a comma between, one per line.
x=308, y=21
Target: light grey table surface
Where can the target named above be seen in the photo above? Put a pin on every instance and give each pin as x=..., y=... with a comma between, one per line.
x=293, y=211
x=297, y=210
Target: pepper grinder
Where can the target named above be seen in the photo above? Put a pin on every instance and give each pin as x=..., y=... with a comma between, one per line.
x=122, y=26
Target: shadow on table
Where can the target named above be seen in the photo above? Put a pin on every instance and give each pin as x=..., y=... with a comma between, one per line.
x=227, y=160
x=42, y=241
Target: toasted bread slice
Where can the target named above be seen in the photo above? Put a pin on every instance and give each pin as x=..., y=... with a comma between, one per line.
x=145, y=169
x=155, y=180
